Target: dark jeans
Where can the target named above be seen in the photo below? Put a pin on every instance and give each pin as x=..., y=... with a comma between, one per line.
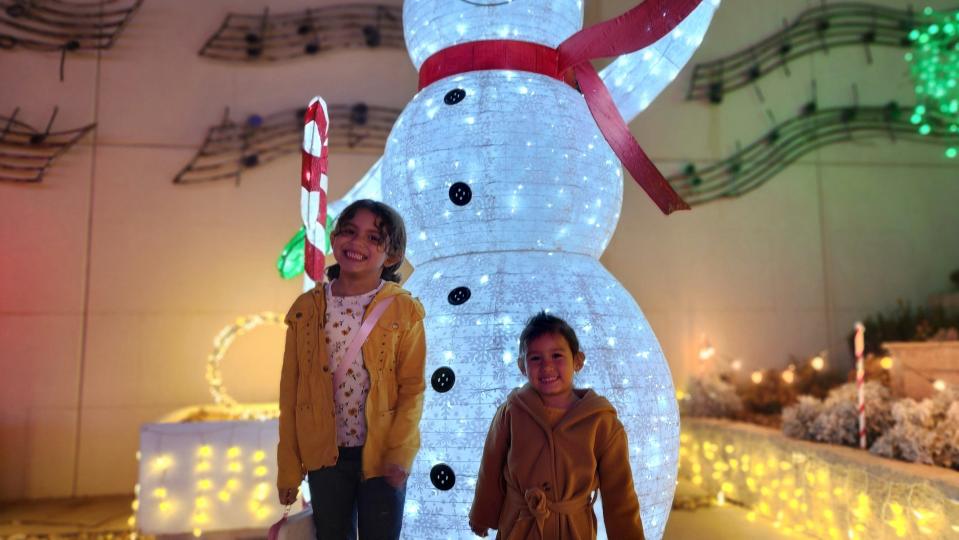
x=342, y=501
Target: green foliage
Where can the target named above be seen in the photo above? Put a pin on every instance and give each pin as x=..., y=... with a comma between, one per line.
x=905, y=323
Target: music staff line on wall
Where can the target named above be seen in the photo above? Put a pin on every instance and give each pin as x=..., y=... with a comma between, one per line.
x=232, y=147
x=754, y=165
x=56, y=26
x=26, y=153
x=63, y=26
x=265, y=37
x=817, y=29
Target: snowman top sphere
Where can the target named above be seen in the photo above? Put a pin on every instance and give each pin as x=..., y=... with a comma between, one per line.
x=433, y=25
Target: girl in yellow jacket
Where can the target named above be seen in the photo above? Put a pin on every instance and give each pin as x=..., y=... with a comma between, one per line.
x=353, y=430
x=550, y=448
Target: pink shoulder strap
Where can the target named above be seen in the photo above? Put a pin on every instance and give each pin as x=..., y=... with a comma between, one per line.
x=353, y=349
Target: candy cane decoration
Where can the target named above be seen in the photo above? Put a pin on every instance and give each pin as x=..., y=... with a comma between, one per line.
x=859, y=345
x=313, y=186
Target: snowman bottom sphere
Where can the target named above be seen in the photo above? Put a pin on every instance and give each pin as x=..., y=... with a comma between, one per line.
x=476, y=307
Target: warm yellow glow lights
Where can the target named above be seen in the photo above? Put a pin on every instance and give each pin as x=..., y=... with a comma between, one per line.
x=939, y=385
x=221, y=344
x=886, y=362
x=162, y=463
x=220, y=478
x=789, y=376
x=817, y=363
x=803, y=491
x=756, y=377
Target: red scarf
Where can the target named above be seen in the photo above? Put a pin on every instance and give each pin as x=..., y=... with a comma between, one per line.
x=639, y=27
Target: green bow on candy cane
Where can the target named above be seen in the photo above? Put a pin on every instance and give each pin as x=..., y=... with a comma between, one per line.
x=291, y=262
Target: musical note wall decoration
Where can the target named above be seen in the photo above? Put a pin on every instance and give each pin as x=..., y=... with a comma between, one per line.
x=26, y=153
x=59, y=26
x=266, y=37
x=817, y=29
x=812, y=128
x=232, y=147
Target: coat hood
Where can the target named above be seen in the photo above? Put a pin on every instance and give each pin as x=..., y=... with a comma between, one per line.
x=589, y=404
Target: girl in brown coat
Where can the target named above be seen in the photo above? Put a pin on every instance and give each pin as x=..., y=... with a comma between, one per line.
x=550, y=448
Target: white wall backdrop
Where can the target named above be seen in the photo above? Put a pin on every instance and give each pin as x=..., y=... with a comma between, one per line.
x=114, y=281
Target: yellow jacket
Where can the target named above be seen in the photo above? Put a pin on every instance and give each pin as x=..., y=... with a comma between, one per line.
x=395, y=357
x=537, y=481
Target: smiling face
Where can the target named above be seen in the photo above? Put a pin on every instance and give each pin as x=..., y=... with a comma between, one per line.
x=549, y=365
x=359, y=247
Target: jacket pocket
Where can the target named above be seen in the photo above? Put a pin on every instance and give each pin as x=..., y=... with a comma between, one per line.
x=386, y=338
x=313, y=425
x=385, y=419
x=385, y=341
x=304, y=418
x=307, y=343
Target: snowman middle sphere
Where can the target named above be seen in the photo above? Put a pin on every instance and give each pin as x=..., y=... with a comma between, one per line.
x=501, y=160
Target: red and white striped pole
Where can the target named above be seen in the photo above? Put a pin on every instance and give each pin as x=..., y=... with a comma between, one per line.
x=859, y=345
x=313, y=186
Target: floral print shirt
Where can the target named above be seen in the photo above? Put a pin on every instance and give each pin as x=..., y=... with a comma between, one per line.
x=344, y=316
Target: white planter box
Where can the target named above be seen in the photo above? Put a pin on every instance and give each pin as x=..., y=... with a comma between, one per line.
x=207, y=476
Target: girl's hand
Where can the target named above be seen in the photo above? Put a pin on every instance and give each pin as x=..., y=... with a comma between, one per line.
x=288, y=495
x=479, y=531
x=395, y=475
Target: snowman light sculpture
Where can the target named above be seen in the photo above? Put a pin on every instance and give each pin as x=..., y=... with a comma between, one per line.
x=507, y=179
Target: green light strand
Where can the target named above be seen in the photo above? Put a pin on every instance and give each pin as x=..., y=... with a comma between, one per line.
x=934, y=67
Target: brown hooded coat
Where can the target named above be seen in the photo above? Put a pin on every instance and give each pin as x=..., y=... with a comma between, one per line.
x=538, y=481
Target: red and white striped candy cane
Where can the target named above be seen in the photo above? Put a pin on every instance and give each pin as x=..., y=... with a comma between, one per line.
x=859, y=345
x=313, y=186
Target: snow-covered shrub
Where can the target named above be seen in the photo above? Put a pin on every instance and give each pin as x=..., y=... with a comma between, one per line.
x=710, y=396
x=910, y=438
x=798, y=419
x=838, y=423
x=924, y=432
x=945, y=447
